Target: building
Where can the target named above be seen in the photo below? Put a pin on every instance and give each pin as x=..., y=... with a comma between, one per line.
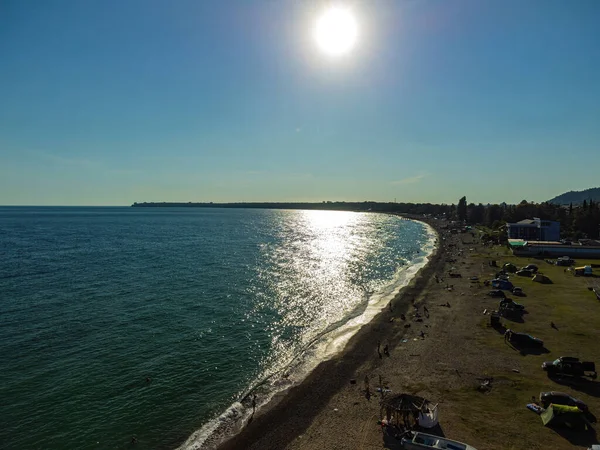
x=520, y=247
x=534, y=229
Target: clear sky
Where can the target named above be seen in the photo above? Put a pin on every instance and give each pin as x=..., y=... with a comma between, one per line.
x=107, y=102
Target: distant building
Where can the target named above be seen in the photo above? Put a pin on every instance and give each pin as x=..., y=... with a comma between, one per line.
x=520, y=247
x=534, y=229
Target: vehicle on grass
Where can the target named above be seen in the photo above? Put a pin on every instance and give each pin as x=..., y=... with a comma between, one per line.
x=560, y=398
x=531, y=267
x=565, y=261
x=524, y=273
x=518, y=291
x=417, y=441
x=510, y=303
x=510, y=312
x=497, y=293
x=568, y=365
x=523, y=340
x=584, y=271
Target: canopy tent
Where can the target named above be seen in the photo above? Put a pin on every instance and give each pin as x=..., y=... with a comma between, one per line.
x=565, y=416
x=404, y=405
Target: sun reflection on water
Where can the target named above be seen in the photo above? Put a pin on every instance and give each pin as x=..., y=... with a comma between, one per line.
x=321, y=270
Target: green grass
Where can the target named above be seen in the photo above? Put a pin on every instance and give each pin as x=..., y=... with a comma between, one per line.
x=499, y=419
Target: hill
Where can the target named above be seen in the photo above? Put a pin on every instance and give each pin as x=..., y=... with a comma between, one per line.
x=577, y=197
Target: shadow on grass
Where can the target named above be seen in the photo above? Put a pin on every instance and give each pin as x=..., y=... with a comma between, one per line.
x=499, y=328
x=589, y=387
x=525, y=350
x=533, y=351
x=577, y=437
x=518, y=318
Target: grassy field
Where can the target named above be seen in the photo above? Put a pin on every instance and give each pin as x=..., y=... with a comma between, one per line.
x=501, y=414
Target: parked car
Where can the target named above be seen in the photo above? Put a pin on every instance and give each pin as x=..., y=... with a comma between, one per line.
x=508, y=308
x=518, y=291
x=524, y=273
x=522, y=339
x=560, y=398
x=531, y=267
x=565, y=261
x=510, y=303
x=584, y=271
x=497, y=293
x=568, y=365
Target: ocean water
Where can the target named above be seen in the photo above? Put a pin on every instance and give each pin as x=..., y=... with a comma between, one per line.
x=162, y=323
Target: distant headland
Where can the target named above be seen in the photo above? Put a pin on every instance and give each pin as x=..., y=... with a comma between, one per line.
x=411, y=208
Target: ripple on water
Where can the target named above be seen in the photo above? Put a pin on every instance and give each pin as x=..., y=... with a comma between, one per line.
x=205, y=302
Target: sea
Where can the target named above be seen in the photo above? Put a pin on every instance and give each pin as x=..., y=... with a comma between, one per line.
x=157, y=328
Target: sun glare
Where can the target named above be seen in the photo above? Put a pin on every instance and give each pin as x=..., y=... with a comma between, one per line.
x=336, y=31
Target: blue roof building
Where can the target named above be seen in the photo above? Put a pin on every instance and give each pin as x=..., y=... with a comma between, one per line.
x=534, y=229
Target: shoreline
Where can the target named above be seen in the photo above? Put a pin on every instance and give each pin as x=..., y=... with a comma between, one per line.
x=289, y=413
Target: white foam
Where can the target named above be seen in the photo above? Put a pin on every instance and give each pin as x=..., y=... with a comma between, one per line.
x=232, y=420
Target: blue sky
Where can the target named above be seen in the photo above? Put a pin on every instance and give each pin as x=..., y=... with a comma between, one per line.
x=106, y=102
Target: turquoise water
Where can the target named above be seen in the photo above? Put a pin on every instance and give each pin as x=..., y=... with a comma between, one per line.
x=121, y=322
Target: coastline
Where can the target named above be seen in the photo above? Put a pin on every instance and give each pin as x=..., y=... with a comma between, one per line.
x=289, y=413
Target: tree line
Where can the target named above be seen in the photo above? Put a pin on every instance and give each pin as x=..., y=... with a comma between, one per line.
x=576, y=222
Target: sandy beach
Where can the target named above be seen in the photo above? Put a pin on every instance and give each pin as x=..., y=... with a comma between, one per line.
x=442, y=357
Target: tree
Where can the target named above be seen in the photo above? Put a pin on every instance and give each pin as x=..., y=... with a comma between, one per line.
x=476, y=213
x=461, y=209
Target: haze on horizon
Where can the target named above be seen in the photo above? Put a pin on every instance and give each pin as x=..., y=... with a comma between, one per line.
x=108, y=102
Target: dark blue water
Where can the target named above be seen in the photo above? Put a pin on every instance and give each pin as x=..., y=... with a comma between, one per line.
x=121, y=322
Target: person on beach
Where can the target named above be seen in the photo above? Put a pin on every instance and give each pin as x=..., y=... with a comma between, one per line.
x=253, y=404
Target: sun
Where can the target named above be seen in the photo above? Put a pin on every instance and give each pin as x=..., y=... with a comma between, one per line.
x=336, y=31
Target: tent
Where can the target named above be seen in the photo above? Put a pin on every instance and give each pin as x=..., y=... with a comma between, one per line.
x=509, y=267
x=502, y=284
x=540, y=278
x=565, y=416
